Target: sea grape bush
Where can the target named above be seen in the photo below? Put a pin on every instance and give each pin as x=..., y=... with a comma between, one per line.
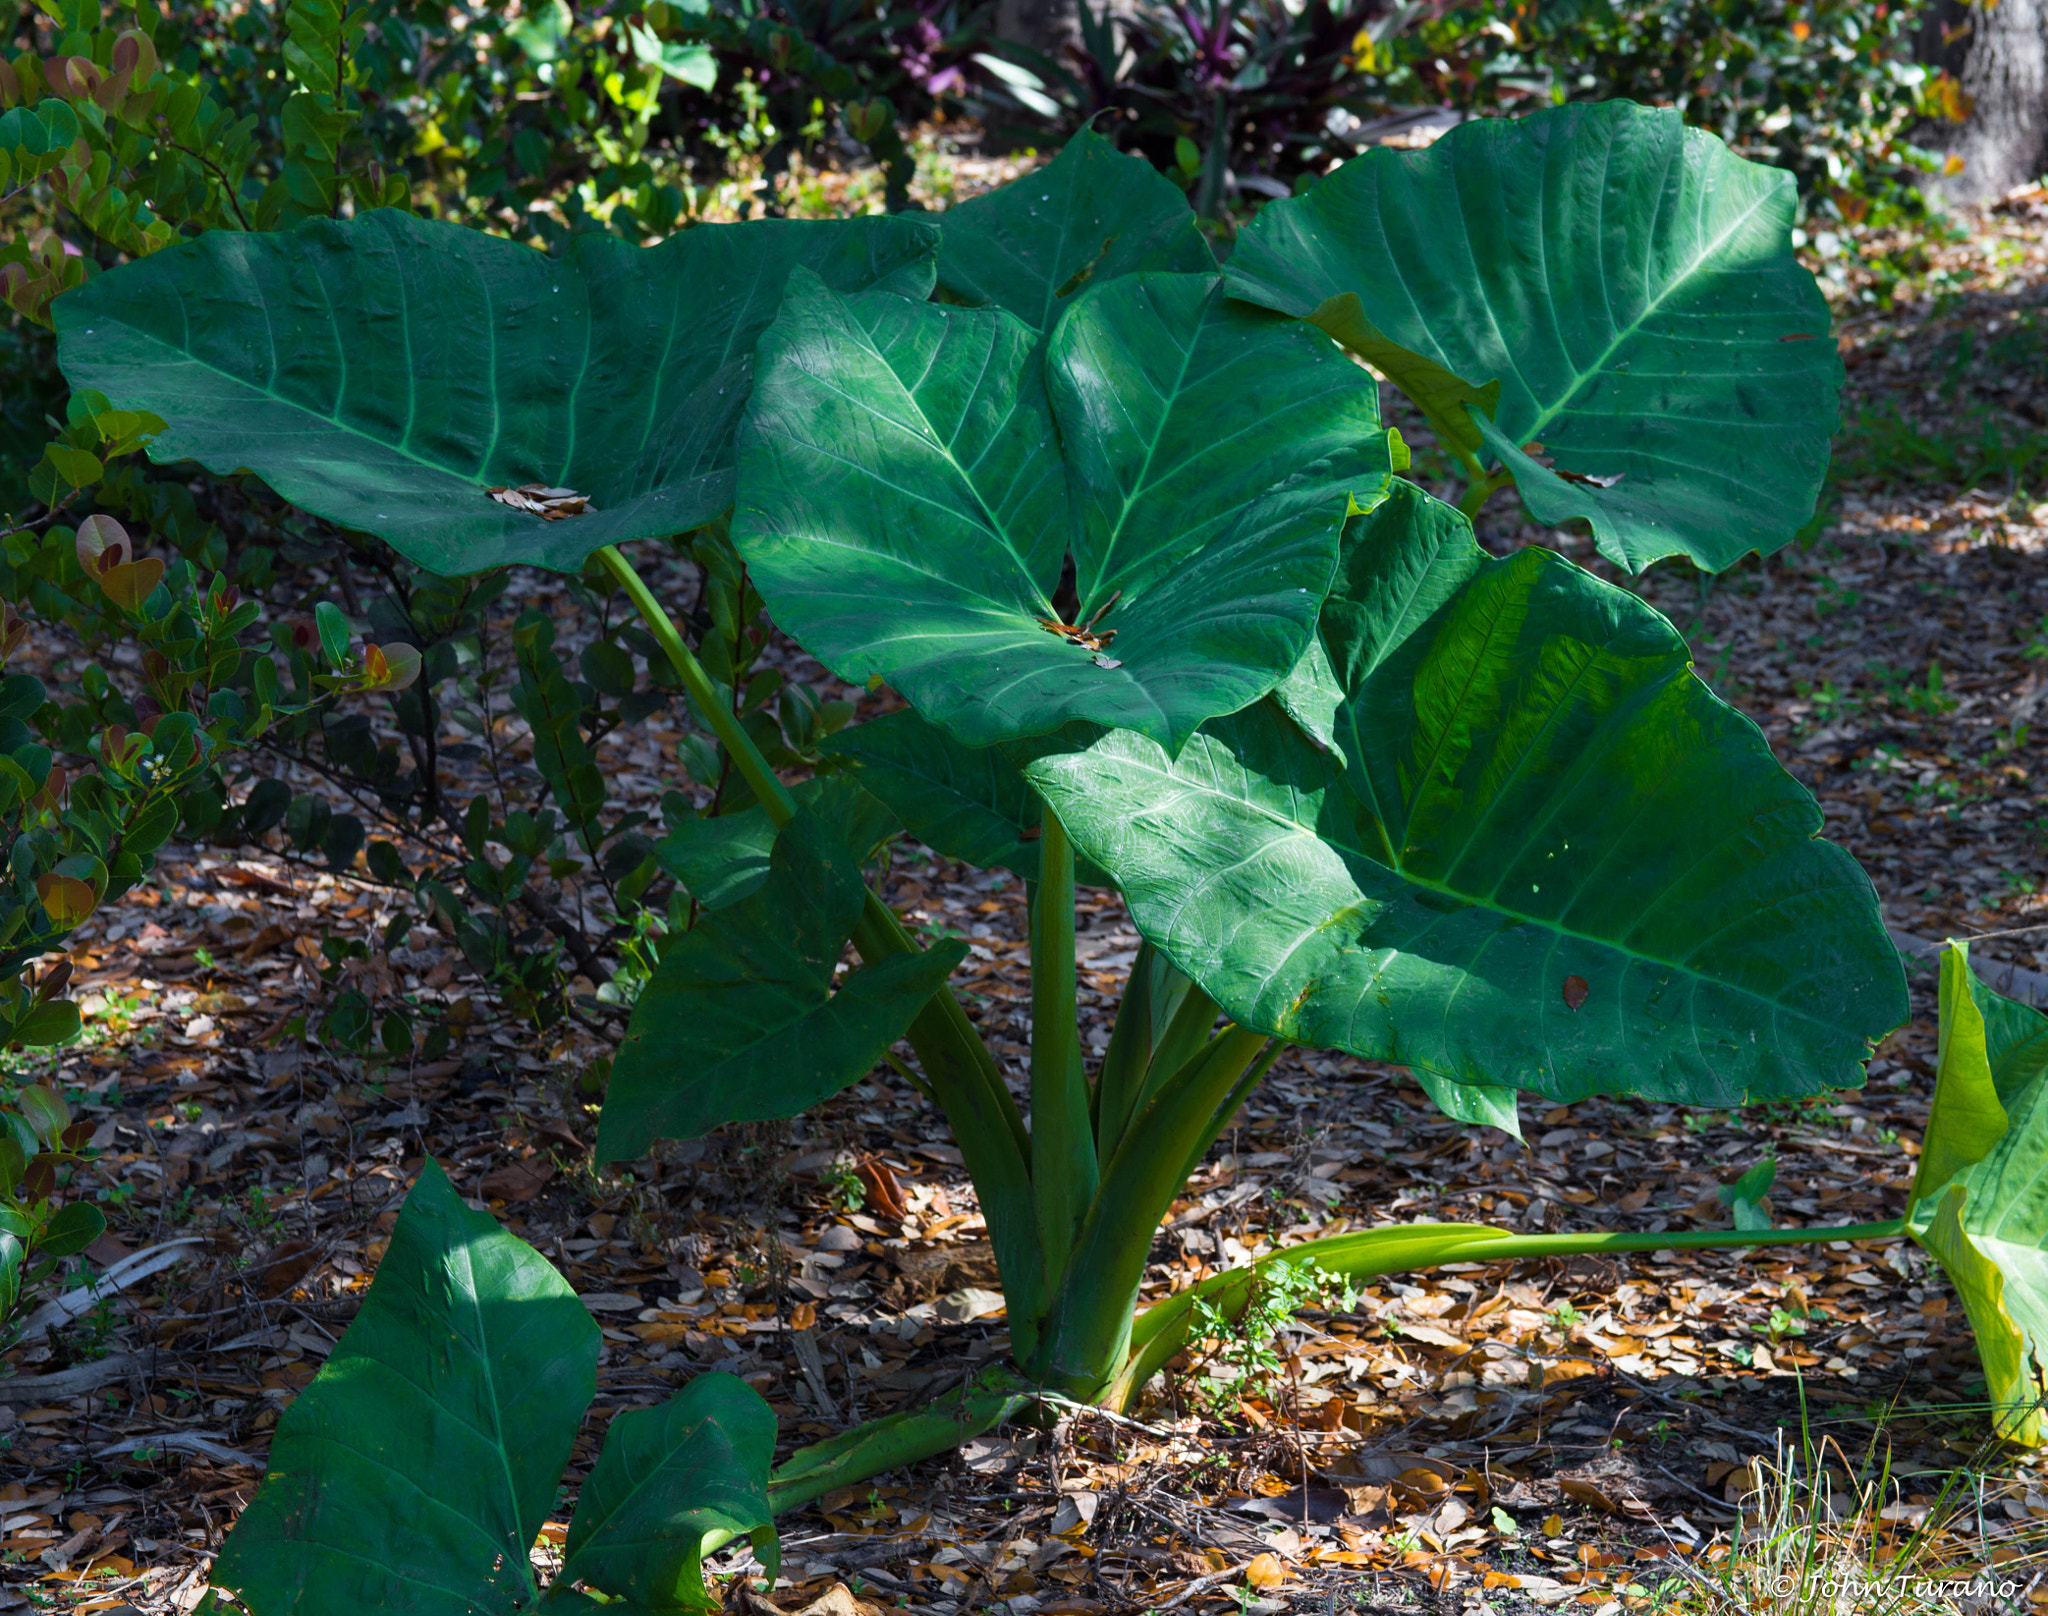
x=1125, y=532
x=1830, y=92
x=77, y=839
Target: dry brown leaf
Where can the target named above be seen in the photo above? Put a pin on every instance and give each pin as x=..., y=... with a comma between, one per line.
x=837, y=1600
x=517, y=1180
x=1264, y=1571
x=1586, y=1493
x=539, y=499
x=289, y=1264
x=884, y=1193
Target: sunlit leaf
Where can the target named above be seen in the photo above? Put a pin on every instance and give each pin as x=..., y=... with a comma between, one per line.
x=668, y=1478
x=1979, y=1202
x=386, y=371
x=415, y=1472
x=1091, y=214
x=910, y=488
x=1630, y=283
x=1531, y=786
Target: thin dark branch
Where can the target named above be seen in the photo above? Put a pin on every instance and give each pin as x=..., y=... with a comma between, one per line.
x=572, y=935
x=51, y=514
x=212, y=167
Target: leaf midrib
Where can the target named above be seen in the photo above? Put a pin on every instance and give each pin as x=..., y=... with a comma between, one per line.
x=1582, y=376
x=471, y=1295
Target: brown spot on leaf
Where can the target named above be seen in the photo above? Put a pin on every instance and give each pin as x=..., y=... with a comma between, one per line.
x=1575, y=990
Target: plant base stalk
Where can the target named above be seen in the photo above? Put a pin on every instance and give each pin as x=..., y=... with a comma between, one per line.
x=998, y=1392
x=772, y=794
x=879, y=932
x=986, y=1401
x=1162, y=1330
x=961, y=1071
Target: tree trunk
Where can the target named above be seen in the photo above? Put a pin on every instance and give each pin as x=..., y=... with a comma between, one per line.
x=1999, y=53
x=1044, y=25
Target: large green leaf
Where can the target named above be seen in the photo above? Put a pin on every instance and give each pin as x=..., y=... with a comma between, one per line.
x=1979, y=1202
x=384, y=371
x=969, y=803
x=1630, y=283
x=669, y=1478
x=1548, y=858
x=723, y=859
x=415, y=1472
x=904, y=499
x=1089, y=215
x=741, y=1021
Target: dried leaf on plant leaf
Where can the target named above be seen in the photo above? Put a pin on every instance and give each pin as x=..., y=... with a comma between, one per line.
x=549, y=504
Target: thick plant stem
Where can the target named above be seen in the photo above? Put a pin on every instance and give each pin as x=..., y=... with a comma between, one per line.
x=879, y=932
x=1162, y=1330
x=1131, y=1038
x=1062, y=1145
x=891, y=1442
x=962, y=1072
x=1226, y=1112
x=1479, y=482
x=1478, y=490
x=1090, y=1321
x=1183, y=1037
x=1468, y=462
x=985, y=1401
x=746, y=756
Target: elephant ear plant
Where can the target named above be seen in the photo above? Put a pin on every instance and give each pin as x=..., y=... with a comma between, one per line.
x=1126, y=534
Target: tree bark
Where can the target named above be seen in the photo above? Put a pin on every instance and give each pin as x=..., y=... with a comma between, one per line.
x=1045, y=26
x=1999, y=54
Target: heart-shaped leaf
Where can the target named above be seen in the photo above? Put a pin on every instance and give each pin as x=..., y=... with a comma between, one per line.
x=1402, y=562
x=1630, y=283
x=415, y=1472
x=668, y=1478
x=741, y=1021
x=723, y=859
x=905, y=505
x=1541, y=822
x=1091, y=214
x=386, y=371
x=1979, y=1204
